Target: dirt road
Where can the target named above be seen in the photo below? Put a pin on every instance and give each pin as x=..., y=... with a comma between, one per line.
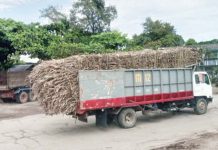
x=206, y=141
x=183, y=130
x=15, y=110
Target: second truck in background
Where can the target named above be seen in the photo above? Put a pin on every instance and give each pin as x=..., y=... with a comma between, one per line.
x=13, y=83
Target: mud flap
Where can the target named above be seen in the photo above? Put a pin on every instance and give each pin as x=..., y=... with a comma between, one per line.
x=101, y=119
x=83, y=118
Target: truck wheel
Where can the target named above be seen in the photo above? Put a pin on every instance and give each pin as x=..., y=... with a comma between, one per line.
x=201, y=106
x=127, y=118
x=22, y=97
x=30, y=96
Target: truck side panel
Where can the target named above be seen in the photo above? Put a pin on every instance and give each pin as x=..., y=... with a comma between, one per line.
x=108, y=89
x=17, y=79
x=103, y=86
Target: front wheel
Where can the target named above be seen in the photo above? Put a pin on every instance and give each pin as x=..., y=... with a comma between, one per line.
x=201, y=106
x=127, y=118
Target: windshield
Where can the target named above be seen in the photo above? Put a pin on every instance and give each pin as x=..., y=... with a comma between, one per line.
x=202, y=78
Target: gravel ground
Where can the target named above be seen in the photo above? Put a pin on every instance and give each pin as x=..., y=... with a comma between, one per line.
x=24, y=127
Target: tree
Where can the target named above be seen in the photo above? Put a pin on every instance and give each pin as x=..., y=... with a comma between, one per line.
x=140, y=39
x=158, y=34
x=6, y=49
x=190, y=42
x=156, y=30
x=172, y=40
x=92, y=15
x=53, y=14
x=110, y=40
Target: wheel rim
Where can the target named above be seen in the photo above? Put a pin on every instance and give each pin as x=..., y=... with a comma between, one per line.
x=129, y=118
x=23, y=97
x=202, y=106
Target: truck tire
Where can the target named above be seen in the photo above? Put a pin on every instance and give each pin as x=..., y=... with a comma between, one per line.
x=201, y=106
x=127, y=118
x=22, y=97
x=30, y=94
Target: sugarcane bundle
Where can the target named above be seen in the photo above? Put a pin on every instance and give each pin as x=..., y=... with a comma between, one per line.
x=55, y=83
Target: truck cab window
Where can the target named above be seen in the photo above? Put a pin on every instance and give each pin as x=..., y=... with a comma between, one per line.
x=202, y=78
x=206, y=79
x=197, y=79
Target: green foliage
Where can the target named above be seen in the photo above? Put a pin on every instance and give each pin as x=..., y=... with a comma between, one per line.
x=53, y=14
x=215, y=79
x=154, y=44
x=190, y=42
x=67, y=49
x=158, y=34
x=6, y=49
x=100, y=43
x=84, y=35
x=34, y=40
x=156, y=30
x=89, y=15
x=171, y=40
x=92, y=15
x=214, y=41
x=110, y=40
x=140, y=39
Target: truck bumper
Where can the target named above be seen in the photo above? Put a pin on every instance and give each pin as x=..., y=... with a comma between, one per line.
x=7, y=94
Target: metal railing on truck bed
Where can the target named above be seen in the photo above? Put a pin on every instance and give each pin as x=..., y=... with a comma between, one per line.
x=117, y=88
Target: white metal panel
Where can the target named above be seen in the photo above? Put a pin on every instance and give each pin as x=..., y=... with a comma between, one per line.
x=101, y=84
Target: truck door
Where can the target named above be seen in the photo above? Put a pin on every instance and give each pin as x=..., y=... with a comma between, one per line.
x=202, y=85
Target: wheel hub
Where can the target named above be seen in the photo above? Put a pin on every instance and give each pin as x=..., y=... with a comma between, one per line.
x=128, y=118
x=23, y=97
x=202, y=105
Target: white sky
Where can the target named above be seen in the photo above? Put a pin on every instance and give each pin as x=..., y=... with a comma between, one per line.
x=27, y=59
x=196, y=19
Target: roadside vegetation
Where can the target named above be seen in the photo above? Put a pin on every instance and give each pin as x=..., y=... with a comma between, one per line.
x=85, y=30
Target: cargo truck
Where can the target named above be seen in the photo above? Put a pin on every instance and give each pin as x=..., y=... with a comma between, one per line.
x=119, y=94
x=13, y=84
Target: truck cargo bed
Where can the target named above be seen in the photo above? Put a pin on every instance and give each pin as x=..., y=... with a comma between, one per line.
x=123, y=88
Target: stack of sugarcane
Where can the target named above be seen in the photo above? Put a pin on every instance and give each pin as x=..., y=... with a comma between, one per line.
x=55, y=83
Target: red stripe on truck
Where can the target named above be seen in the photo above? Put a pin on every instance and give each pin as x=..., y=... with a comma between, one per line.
x=94, y=104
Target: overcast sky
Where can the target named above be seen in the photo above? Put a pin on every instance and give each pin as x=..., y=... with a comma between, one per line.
x=196, y=19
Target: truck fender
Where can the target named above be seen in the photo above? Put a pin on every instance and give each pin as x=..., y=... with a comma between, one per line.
x=27, y=89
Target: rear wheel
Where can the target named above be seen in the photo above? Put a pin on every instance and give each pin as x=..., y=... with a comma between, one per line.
x=127, y=118
x=30, y=96
x=201, y=106
x=22, y=97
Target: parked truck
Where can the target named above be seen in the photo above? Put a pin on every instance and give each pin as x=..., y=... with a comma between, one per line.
x=119, y=94
x=13, y=85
